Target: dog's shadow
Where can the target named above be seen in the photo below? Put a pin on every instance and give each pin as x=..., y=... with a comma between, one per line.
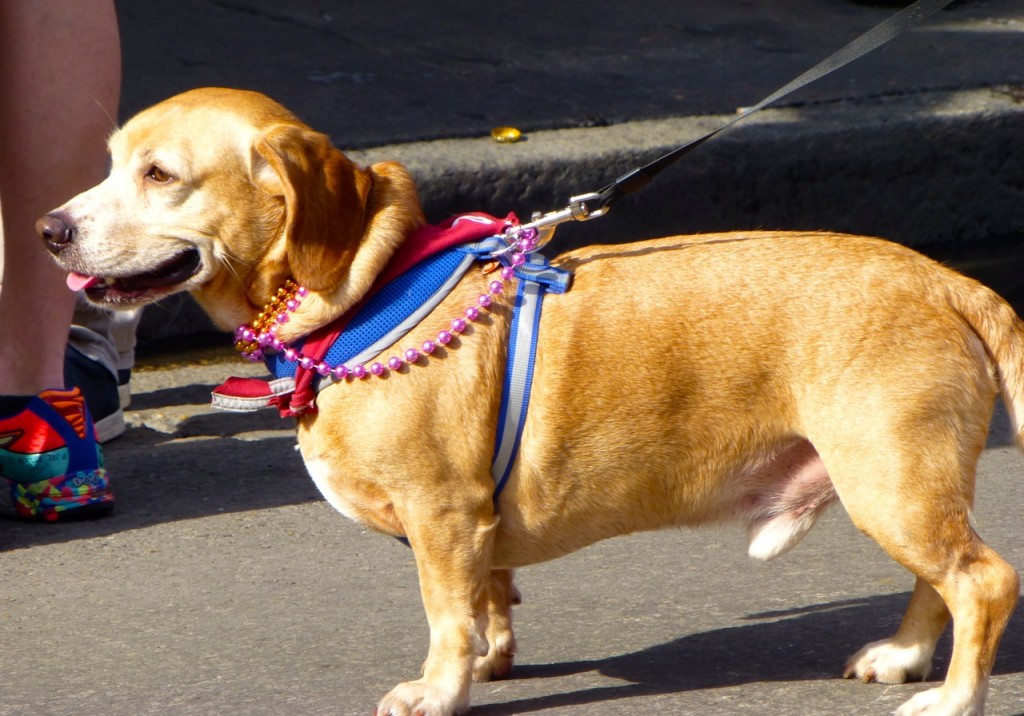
x=806, y=644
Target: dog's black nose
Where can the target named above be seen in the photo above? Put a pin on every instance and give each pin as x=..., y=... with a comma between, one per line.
x=56, y=231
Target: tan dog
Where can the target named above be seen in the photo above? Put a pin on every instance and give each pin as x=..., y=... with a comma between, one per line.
x=757, y=377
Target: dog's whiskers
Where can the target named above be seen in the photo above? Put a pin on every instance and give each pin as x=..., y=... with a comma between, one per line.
x=231, y=263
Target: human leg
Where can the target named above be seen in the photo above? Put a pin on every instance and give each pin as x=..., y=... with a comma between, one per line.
x=59, y=85
x=58, y=109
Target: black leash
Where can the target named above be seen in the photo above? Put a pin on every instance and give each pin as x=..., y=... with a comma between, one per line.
x=595, y=204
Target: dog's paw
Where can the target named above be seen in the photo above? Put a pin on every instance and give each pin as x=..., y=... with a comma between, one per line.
x=421, y=698
x=885, y=662
x=938, y=702
x=498, y=662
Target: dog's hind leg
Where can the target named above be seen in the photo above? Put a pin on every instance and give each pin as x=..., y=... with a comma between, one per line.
x=502, y=596
x=914, y=498
x=907, y=656
x=980, y=593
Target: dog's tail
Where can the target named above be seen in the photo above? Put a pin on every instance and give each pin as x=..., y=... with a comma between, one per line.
x=1002, y=331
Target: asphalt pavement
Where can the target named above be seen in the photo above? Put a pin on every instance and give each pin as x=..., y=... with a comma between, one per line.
x=224, y=584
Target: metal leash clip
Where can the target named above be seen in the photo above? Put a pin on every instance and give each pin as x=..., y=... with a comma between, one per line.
x=542, y=226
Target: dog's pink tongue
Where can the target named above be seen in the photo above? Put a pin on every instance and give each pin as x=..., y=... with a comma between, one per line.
x=78, y=282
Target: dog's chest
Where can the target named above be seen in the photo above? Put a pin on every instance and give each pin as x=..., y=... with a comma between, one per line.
x=354, y=498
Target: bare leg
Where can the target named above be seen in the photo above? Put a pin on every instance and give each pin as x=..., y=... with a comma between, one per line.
x=60, y=74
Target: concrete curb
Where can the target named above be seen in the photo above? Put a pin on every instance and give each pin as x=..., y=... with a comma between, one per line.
x=782, y=168
x=930, y=170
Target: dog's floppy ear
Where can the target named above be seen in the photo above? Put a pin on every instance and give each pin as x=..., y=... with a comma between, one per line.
x=324, y=196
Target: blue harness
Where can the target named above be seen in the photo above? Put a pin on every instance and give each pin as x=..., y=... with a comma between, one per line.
x=536, y=278
x=399, y=307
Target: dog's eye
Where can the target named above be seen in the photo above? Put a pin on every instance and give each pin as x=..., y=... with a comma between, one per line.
x=158, y=175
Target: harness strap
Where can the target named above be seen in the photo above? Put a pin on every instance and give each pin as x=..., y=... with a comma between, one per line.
x=536, y=277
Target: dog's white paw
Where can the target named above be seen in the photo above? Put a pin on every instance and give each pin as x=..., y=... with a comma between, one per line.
x=939, y=702
x=888, y=663
x=421, y=698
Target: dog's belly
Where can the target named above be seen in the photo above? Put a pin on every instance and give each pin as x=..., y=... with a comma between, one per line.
x=777, y=496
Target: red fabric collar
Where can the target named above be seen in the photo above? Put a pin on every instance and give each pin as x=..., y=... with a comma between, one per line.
x=421, y=244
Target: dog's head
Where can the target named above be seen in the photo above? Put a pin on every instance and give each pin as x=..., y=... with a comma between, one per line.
x=226, y=194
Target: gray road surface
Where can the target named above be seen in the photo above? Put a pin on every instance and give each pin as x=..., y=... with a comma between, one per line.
x=224, y=585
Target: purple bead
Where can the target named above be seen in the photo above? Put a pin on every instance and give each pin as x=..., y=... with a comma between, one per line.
x=377, y=369
x=256, y=356
x=394, y=362
x=282, y=318
x=266, y=340
x=518, y=259
x=248, y=335
x=358, y=372
x=412, y=355
x=472, y=313
x=508, y=273
x=277, y=344
x=290, y=354
x=322, y=368
x=458, y=325
x=444, y=338
x=306, y=362
x=302, y=292
x=339, y=372
x=429, y=347
x=291, y=304
x=484, y=300
x=496, y=287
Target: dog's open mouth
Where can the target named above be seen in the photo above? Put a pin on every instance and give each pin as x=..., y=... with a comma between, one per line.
x=141, y=286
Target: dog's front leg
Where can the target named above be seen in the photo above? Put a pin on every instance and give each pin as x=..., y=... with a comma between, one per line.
x=453, y=554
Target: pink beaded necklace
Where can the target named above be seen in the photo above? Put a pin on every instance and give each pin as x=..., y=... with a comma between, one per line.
x=255, y=339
